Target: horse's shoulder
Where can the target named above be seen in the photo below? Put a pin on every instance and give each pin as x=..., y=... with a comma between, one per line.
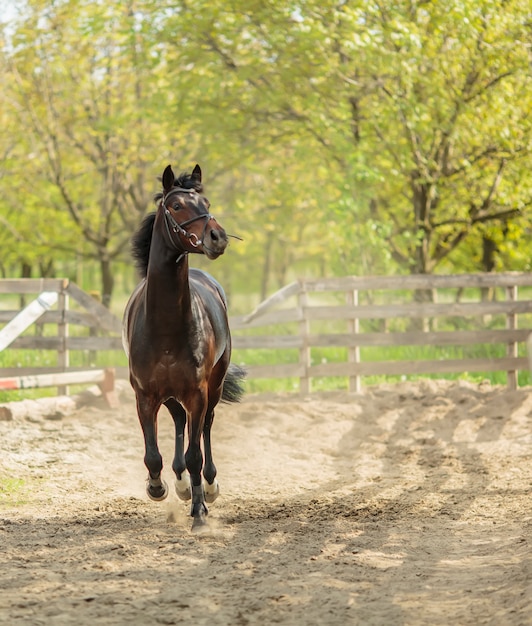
x=200, y=280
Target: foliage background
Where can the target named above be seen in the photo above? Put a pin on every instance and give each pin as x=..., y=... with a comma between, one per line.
x=335, y=137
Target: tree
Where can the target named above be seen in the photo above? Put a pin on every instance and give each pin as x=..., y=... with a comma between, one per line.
x=335, y=137
x=422, y=108
x=462, y=116
x=82, y=91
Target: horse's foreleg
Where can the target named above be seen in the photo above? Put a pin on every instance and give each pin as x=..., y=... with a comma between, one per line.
x=212, y=489
x=182, y=480
x=198, y=509
x=194, y=458
x=156, y=487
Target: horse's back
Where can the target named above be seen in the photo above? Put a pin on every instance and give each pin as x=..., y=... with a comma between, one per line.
x=210, y=300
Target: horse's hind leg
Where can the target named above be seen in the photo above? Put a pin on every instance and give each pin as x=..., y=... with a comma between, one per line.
x=156, y=487
x=182, y=481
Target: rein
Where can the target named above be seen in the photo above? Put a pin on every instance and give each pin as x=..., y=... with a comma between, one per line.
x=171, y=223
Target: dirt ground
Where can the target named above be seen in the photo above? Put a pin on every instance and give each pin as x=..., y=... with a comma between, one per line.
x=405, y=504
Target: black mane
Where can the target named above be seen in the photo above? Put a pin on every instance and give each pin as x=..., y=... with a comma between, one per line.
x=141, y=243
x=141, y=240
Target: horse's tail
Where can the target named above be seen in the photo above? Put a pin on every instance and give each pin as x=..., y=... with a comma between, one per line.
x=233, y=390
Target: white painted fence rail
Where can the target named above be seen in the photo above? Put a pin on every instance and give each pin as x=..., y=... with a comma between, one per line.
x=55, y=379
x=53, y=306
x=26, y=318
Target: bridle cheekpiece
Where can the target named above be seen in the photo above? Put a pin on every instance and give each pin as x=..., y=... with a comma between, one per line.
x=172, y=225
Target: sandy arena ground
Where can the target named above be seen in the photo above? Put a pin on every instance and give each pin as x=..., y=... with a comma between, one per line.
x=403, y=505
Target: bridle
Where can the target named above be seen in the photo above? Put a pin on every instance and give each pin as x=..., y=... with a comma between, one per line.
x=179, y=228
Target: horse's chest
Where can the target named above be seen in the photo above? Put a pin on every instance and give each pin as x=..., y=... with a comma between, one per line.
x=169, y=374
x=172, y=359
x=174, y=367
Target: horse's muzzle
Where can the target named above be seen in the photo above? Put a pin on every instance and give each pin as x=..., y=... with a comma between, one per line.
x=215, y=243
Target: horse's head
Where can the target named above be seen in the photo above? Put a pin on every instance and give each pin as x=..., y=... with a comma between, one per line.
x=186, y=211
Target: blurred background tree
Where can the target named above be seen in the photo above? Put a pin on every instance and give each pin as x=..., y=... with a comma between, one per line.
x=335, y=137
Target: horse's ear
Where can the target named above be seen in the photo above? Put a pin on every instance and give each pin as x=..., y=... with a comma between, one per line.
x=196, y=173
x=168, y=178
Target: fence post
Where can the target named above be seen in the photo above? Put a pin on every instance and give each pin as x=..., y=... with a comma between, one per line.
x=63, y=356
x=304, y=331
x=511, y=350
x=353, y=353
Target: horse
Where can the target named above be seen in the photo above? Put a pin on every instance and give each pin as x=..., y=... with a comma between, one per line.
x=177, y=338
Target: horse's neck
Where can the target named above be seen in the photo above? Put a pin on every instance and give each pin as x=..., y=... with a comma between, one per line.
x=168, y=295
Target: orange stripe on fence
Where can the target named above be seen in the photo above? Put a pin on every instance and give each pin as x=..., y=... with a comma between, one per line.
x=9, y=383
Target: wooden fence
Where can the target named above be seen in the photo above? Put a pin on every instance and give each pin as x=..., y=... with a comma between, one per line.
x=353, y=314
x=360, y=313
x=65, y=306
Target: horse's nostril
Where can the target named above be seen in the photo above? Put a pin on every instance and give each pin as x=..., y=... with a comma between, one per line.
x=218, y=236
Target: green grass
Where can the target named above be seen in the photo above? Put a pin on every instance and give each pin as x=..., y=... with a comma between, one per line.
x=13, y=491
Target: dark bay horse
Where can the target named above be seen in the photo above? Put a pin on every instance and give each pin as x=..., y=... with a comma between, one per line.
x=177, y=337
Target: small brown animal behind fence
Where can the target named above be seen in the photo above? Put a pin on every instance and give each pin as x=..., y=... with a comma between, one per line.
x=380, y=311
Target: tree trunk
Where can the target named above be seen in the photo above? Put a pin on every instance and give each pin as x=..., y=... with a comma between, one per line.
x=107, y=280
x=489, y=255
x=266, y=267
x=25, y=272
x=47, y=269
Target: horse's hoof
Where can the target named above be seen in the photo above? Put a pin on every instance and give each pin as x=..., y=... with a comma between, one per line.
x=182, y=487
x=200, y=522
x=157, y=492
x=211, y=491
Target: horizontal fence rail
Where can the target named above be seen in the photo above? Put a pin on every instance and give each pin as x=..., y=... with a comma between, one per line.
x=50, y=304
x=57, y=379
x=353, y=314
